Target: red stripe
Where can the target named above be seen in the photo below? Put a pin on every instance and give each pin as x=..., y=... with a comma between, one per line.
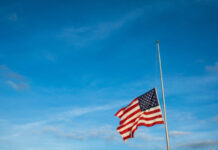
x=145, y=113
x=130, y=115
x=151, y=118
x=119, y=111
x=142, y=124
x=124, y=124
x=151, y=112
x=147, y=125
x=136, y=123
x=125, y=107
x=130, y=108
x=127, y=137
x=133, y=101
x=142, y=118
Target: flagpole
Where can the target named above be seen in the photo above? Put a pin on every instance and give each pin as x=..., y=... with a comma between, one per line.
x=165, y=116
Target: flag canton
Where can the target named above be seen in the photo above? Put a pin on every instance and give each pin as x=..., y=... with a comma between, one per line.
x=148, y=100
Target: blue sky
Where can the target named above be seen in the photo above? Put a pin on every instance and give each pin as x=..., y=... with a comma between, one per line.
x=66, y=67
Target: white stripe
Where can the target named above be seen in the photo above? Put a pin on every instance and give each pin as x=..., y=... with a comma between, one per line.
x=133, y=117
x=133, y=103
x=126, y=134
x=151, y=115
x=144, y=116
x=153, y=108
x=129, y=113
x=136, y=115
x=121, y=112
x=141, y=121
x=127, y=126
x=147, y=122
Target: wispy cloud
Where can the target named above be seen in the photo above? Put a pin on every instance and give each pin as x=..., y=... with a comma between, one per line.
x=79, y=111
x=55, y=126
x=49, y=56
x=18, y=86
x=215, y=119
x=31, y=125
x=190, y=84
x=149, y=137
x=12, y=17
x=47, y=123
x=178, y=133
x=13, y=79
x=200, y=144
x=105, y=132
x=61, y=134
x=213, y=69
x=200, y=61
x=80, y=36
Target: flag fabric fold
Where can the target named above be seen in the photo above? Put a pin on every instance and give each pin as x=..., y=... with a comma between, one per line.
x=142, y=111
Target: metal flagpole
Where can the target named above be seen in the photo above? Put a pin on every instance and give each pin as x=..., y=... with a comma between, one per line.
x=165, y=116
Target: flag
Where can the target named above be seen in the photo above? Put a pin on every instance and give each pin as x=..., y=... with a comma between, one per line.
x=142, y=111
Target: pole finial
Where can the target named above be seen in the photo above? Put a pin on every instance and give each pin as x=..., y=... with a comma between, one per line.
x=157, y=41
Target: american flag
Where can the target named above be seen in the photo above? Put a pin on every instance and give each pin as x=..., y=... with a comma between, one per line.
x=142, y=111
